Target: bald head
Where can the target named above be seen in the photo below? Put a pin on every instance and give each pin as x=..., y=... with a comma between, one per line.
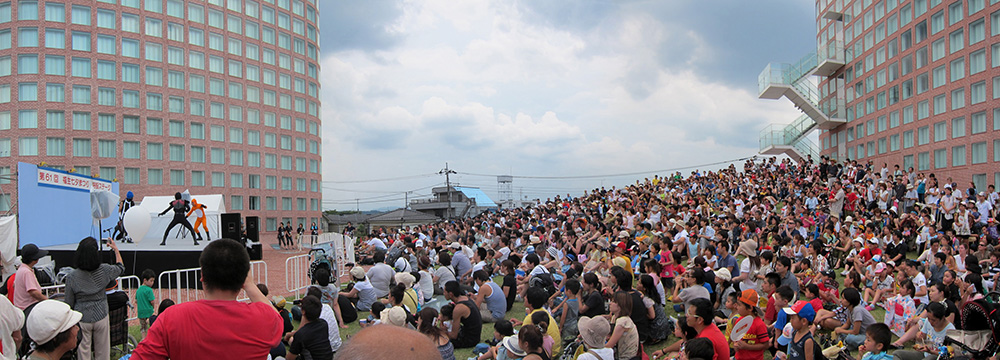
x=370, y=344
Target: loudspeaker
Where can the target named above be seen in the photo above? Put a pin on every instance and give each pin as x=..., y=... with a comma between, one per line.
x=231, y=226
x=253, y=228
x=256, y=252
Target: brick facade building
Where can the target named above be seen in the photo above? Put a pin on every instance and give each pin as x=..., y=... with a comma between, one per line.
x=216, y=96
x=909, y=82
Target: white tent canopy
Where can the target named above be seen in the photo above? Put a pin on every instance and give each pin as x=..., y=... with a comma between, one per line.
x=215, y=206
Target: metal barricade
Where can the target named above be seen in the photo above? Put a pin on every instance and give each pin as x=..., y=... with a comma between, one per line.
x=258, y=272
x=296, y=273
x=130, y=284
x=52, y=290
x=181, y=285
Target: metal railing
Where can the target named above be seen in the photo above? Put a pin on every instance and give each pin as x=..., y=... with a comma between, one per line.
x=180, y=285
x=128, y=284
x=798, y=129
x=297, y=273
x=258, y=272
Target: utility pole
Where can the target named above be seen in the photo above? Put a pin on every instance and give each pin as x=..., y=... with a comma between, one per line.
x=447, y=180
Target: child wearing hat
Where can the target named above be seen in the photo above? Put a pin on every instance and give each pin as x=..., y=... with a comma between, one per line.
x=756, y=340
x=796, y=337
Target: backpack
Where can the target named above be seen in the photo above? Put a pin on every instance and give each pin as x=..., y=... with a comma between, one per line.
x=6, y=283
x=544, y=281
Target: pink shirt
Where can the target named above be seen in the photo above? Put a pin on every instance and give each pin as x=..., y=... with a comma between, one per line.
x=25, y=281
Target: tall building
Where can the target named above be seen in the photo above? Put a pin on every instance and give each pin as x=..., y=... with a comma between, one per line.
x=216, y=96
x=908, y=82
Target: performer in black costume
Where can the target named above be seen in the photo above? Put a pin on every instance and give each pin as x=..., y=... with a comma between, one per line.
x=180, y=208
x=120, y=234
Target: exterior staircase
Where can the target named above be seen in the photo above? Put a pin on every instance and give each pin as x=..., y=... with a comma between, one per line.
x=793, y=82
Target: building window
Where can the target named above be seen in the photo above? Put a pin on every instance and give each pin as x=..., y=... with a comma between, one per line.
x=154, y=151
x=958, y=156
x=132, y=176
x=107, y=148
x=176, y=177
x=81, y=148
x=154, y=176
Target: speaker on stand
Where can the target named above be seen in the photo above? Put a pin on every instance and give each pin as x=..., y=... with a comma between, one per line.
x=253, y=238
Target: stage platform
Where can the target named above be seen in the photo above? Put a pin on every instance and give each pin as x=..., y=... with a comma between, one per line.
x=146, y=254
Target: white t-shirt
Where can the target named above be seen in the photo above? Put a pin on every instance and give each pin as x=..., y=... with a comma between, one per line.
x=603, y=354
x=750, y=282
x=11, y=319
x=376, y=242
x=427, y=284
x=333, y=329
x=918, y=281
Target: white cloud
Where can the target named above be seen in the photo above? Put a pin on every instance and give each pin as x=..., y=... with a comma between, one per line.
x=476, y=84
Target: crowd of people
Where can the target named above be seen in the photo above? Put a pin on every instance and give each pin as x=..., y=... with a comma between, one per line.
x=801, y=255
x=810, y=251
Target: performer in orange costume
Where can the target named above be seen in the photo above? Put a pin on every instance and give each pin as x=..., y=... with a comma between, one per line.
x=199, y=211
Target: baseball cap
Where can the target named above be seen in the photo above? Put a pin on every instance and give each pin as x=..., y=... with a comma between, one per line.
x=358, y=273
x=50, y=318
x=278, y=301
x=749, y=297
x=879, y=268
x=786, y=335
x=803, y=309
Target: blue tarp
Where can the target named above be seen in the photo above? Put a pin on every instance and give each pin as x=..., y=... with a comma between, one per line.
x=480, y=197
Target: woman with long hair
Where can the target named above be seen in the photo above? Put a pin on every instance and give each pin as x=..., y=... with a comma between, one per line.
x=651, y=299
x=85, y=293
x=426, y=326
x=624, y=337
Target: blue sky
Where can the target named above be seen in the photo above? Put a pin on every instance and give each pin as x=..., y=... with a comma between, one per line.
x=543, y=88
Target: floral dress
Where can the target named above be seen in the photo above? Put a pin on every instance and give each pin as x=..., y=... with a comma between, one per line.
x=898, y=310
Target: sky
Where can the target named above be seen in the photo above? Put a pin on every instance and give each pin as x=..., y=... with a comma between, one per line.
x=566, y=95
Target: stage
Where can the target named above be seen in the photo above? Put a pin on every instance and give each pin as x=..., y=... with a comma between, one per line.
x=146, y=254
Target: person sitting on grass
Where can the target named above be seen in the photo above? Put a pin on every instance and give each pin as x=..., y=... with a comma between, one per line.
x=801, y=345
x=375, y=316
x=876, y=343
x=881, y=287
x=326, y=313
x=684, y=333
x=593, y=332
x=625, y=337
x=425, y=325
x=756, y=340
x=900, y=309
x=568, y=311
x=938, y=294
x=467, y=325
x=361, y=293
x=311, y=340
x=931, y=335
x=330, y=292
x=534, y=302
x=859, y=320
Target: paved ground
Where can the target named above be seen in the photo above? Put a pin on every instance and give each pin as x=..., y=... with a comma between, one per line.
x=275, y=260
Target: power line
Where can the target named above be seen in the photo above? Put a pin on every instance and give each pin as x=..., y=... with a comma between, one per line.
x=380, y=180
x=608, y=175
x=395, y=193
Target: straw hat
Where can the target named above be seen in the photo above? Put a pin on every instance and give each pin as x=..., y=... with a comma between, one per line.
x=394, y=316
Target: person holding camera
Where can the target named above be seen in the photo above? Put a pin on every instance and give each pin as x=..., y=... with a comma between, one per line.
x=85, y=288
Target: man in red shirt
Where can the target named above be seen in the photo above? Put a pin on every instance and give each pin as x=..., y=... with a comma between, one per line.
x=218, y=327
x=870, y=251
x=700, y=317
